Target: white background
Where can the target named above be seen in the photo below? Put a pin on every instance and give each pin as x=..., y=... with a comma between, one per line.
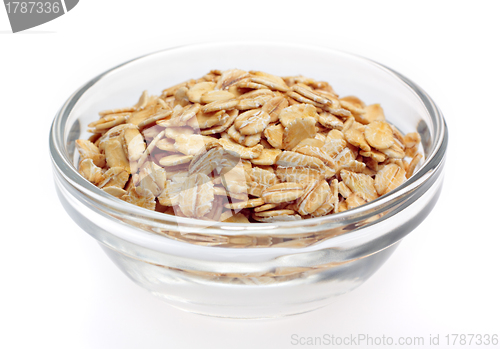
x=58, y=288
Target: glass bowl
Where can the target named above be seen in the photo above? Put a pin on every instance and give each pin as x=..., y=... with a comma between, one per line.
x=250, y=270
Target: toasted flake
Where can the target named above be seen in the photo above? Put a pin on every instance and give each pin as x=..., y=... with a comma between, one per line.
x=315, y=195
x=310, y=142
x=247, y=165
x=90, y=171
x=241, y=151
x=411, y=152
x=297, y=174
x=355, y=135
x=169, y=92
x=398, y=136
x=173, y=120
x=307, y=92
x=252, y=140
x=297, y=130
x=245, y=83
x=221, y=191
x=143, y=100
x=196, y=196
x=315, y=152
x=263, y=177
x=355, y=200
x=166, y=144
x=207, y=120
x=117, y=111
x=216, y=211
x=109, y=121
x=395, y=152
x=344, y=190
x=170, y=195
x=343, y=158
x=173, y=160
x=207, y=159
x=293, y=112
x=114, y=177
x=352, y=165
x=373, y=112
x=254, y=102
x=301, y=99
x=327, y=206
x=188, y=112
x=134, y=142
x=274, y=213
x=149, y=149
x=294, y=159
x=320, y=137
x=413, y=165
x=257, y=93
x=245, y=204
x=411, y=140
x=266, y=157
x=153, y=178
x=216, y=96
x=115, y=191
x=274, y=135
x=343, y=113
x=88, y=150
x=252, y=122
x=160, y=115
x=354, y=105
x=360, y=183
x=151, y=132
x=230, y=77
x=343, y=206
x=175, y=132
x=274, y=106
x=334, y=187
x=330, y=121
x=191, y=144
x=265, y=207
x=142, y=115
x=292, y=101
x=374, y=154
x=115, y=153
x=334, y=143
x=271, y=81
x=220, y=105
x=140, y=197
x=234, y=178
x=237, y=218
x=181, y=97
x=232, y=114
x=279, y=218
x=235, y=135
x=198, y=90
x=282, y=192
x=255, y=189
x=379, y=135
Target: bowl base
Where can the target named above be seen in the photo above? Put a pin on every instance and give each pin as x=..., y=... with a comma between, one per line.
x=249, y=297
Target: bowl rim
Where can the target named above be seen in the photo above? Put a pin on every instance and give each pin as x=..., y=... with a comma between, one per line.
x=63, y=164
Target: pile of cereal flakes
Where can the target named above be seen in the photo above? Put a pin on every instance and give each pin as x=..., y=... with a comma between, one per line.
x=238, y=146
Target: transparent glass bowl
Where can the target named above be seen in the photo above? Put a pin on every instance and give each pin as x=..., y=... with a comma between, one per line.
x=250, y=270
